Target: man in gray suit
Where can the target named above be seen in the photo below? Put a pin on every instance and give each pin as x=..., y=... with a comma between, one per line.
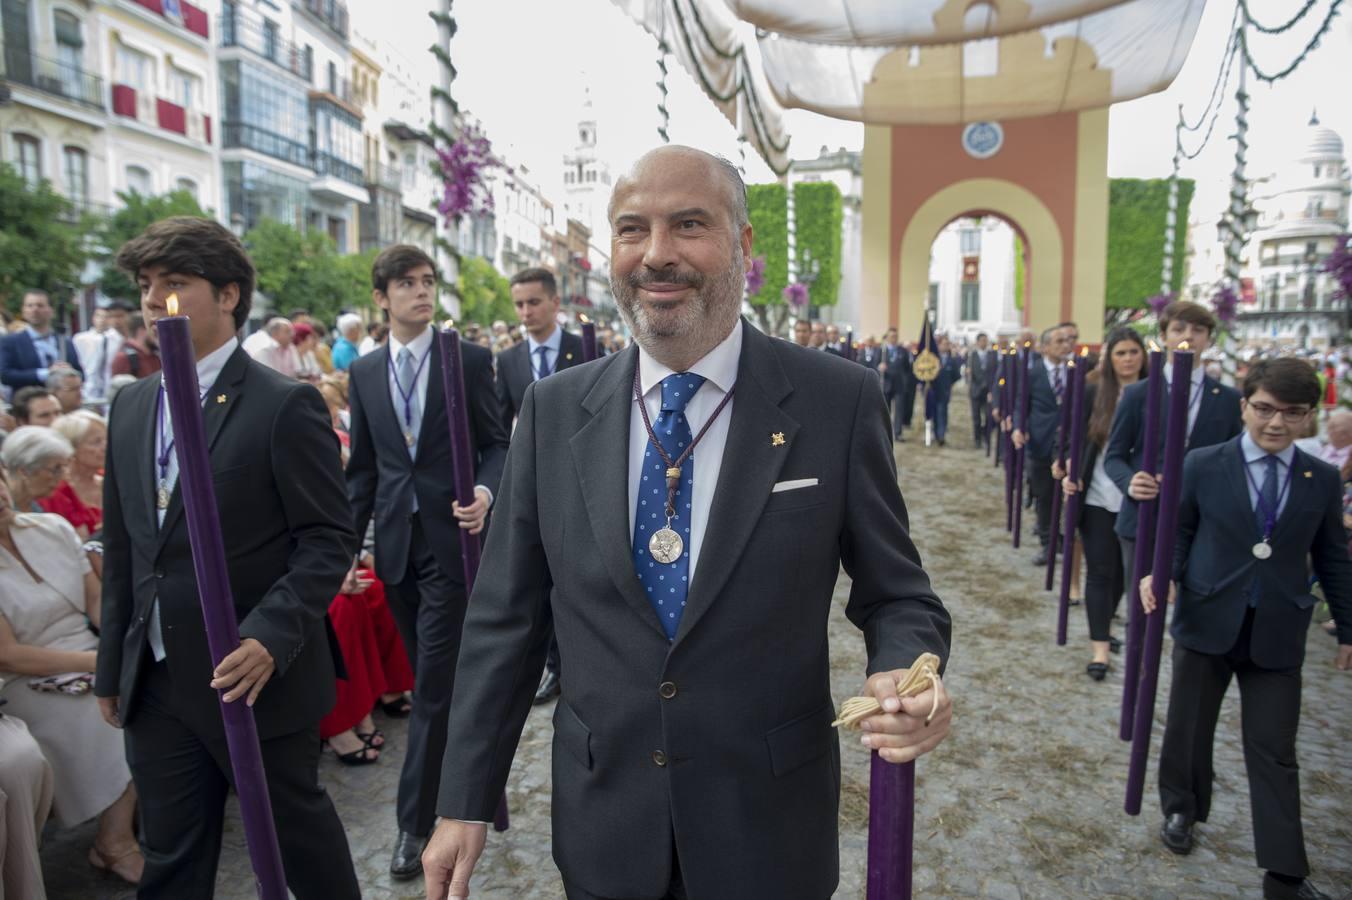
x=979, y=383
x=688, y=542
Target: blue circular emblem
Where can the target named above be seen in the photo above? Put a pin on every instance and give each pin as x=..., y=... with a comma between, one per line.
x=983, y=139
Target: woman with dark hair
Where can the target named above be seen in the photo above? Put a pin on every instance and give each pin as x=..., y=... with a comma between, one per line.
x=1122, y=363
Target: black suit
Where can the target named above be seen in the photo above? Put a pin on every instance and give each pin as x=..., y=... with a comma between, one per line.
x=20, y=360
x=516, y=371
x=979, y=375
x=1044, y=414
x=288, y=538
x=733, y=760
x=1219, y=634
x=939, y=393
x=418, y=553
x=900, y=384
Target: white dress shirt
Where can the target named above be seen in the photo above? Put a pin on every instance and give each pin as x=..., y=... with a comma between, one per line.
x=96, y=350
x=553, y=342
x=1194, y=396
x=208, y=370
x=719, y=368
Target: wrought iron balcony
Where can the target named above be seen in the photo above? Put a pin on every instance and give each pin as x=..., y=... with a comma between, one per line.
x=23, y=67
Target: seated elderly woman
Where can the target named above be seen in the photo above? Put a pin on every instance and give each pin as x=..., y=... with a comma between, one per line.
x=79, y=497
x=67, y=386
x=35, y=460
x=48, y=600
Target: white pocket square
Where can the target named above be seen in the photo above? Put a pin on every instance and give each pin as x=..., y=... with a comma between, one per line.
x=793, y=485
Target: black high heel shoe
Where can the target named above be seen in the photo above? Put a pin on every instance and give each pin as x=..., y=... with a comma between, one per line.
x=1097, y=670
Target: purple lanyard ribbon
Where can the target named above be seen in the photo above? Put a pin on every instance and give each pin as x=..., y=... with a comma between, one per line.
x=407, y=395
x=167, y=446
x=1269, y=515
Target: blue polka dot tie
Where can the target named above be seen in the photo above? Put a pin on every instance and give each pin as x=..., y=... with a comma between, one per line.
x=666, y=584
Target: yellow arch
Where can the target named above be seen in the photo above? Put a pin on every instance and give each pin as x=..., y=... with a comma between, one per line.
x=1017, y=204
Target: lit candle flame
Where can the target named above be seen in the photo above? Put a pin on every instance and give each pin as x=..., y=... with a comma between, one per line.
x=581, y=317
x=171, y=304
x=1027, y=344
x=1084, y=351
x=1183, y=345
x=448, y=324
x=1154, y=347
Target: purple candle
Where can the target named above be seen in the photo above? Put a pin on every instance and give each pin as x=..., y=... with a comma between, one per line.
x=1006, y=414
x=891, y=828
x=1075, y=469
x=588, y=339
x=213, y=592
x=1062, y=436
x=462, y=471
x=1020, y=423
x=998, y=411
x=1161, y=570
x=1145, y=542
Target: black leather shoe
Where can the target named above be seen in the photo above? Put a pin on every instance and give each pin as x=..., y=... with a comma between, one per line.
x=1276, y=889
x=1176, y=833
x=549, y=688
x=407, y=860
x=1097, y=670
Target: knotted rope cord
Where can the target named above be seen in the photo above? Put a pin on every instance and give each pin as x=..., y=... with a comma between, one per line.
x=921, y=676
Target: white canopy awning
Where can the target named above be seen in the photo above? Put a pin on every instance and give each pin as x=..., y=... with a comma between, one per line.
x=1122, y=52
x=872, y=23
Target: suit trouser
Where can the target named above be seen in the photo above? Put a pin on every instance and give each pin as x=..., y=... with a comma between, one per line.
x=981, y=417
x=675, y=890
x=941, y=418
x=1040, y=487
x=903, y=405
x=1269, y=719
x=1103, y=581
x=181, y=782
x=429, y=608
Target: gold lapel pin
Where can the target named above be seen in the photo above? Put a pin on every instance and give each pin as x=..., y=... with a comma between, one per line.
x=220, y=398
x=1308, y=474
x=777, y=439
x=1215, y=390
x=567, y=356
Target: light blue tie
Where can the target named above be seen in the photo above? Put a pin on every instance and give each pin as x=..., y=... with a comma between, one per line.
x=666, y=584
x=408, y=380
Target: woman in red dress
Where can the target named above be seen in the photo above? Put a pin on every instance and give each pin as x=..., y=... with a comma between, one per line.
x=378, y=671
x=79, y=497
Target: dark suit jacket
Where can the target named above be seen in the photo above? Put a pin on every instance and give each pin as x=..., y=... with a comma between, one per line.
x=1215, y=568
x=979, y=373
x=288, y=540
x=382, y=478
x=869, y=357
x=19, y=359
x=515, y=372
x=950, y=372
x=746, y=782
x=1044, y=413
x=1218, y=420
x=898, y=375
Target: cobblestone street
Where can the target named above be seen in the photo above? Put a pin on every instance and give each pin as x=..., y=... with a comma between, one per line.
x=1024, y=800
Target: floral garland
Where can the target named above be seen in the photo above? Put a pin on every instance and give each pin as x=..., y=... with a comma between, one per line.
x=796, y=294
x=463, y=169
x=755, y=276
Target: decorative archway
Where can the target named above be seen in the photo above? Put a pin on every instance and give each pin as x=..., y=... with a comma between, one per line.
x=1047, y=175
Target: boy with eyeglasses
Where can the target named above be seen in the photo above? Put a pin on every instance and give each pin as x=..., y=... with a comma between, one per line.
x=1253, y=511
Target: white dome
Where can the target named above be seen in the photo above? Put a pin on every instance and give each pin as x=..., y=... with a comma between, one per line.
x=1322, y=142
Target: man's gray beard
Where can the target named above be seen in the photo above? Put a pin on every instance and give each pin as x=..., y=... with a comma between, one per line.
x=701, y=324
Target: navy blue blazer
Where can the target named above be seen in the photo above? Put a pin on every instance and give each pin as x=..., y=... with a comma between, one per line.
x=1215, y=568
x=19, y=360
x=1218, y=420
x=1044, y=413
x=950, y=372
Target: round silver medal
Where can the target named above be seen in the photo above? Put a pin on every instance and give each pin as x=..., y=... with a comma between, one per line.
x=665, y=545
x=1262, y=550
x=408, y=438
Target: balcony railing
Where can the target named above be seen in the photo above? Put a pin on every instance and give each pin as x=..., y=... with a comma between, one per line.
x=326, y=164
x=331, y=12
x=194, y=18
x=251, y=137
x=239, y=31
x=52, y=77
x=389, y=177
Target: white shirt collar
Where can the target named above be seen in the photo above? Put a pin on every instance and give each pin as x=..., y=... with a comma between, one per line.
x=1052, y=366
x=1198, y=373
x=33, y=333
x=552, y=342
x=209, y=367
x=1254, y=453
x=418, y=346
x=719, y=365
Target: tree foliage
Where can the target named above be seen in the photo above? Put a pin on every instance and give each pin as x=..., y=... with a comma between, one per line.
x=1137, y=209
x=485, y=295
x=305, y=270
x=768, y=206
x=137, y=213
x=817, y=217
x=43, y=242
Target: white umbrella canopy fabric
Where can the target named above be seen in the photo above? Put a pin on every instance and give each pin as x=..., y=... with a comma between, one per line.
x=874, y=23
x=1125, y=51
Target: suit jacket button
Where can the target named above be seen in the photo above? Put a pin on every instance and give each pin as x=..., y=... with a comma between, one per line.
x=159, y=573
x=667, y=690
x=659, y=758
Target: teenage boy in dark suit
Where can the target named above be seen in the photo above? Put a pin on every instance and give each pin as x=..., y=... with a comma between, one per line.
x=1255, y=511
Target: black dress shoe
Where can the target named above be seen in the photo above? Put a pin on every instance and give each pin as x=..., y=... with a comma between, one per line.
x=1176, y=833
x=407, y=860
x=1276, y=889
x=548, y=689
